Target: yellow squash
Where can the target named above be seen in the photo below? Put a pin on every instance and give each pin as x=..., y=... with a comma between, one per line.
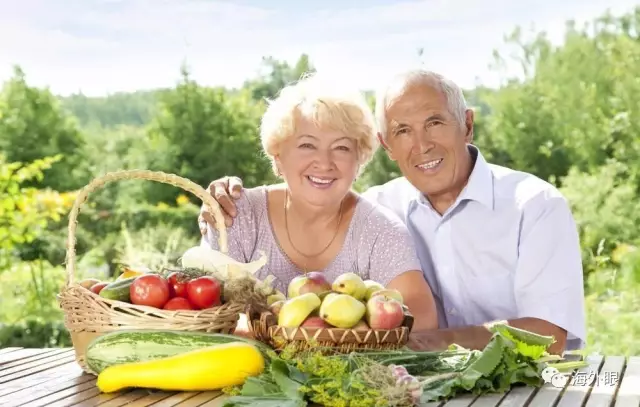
x=210, y=368
x=129, y=272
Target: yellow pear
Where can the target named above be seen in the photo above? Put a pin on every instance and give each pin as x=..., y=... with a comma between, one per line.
x=278, y=296
x=350, y=284
x=329, y=295
x=295, y=310
x=342, y=310
x=372, y=287
x=389, y=293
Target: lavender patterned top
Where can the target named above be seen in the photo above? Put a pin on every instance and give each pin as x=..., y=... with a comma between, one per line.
x=378, y=246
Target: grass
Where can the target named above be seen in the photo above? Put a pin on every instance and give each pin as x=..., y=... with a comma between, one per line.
x=613, y=308
x=613, y=322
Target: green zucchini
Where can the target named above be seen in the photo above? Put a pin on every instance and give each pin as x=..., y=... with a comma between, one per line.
x=118, y=290
x=127, y=346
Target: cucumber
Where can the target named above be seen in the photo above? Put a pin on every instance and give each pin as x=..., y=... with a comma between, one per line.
x=118, y=290
x=128, y=346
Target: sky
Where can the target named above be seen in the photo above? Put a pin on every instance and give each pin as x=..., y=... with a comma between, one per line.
x=100, y=47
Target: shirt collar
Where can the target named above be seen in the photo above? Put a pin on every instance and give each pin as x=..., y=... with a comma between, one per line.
x=479, y=187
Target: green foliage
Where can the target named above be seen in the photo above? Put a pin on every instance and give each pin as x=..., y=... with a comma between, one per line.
x=33, y=333
x=605, y=206
x=129, y=109
x=275, y=75
x=25, y=211
x=574, y=107
x=205, y=134
x=28, y=290
x=32, y=127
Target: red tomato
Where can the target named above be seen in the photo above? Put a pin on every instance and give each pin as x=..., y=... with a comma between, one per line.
x=177, y=284
x=96, y=288
x=177, y=303
x=151, y=290
x=204, y=292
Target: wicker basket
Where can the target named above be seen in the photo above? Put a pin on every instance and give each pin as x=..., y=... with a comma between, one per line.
x=265, y=329
x=87, y=315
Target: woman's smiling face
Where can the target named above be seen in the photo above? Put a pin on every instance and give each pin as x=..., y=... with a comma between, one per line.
x=318, y=165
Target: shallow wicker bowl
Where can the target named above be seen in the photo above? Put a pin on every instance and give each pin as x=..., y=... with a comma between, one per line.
x=266, y=329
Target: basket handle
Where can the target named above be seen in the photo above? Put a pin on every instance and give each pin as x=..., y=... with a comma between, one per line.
x=157, y=176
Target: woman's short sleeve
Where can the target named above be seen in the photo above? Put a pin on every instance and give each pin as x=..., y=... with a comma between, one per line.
x=392, y=248
x=242, y=236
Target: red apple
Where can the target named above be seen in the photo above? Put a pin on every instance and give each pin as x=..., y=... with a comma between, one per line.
x=315, y=322
x=384, y=312
x=312, y=282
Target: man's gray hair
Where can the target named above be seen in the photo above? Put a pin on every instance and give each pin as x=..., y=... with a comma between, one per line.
x=456, y=102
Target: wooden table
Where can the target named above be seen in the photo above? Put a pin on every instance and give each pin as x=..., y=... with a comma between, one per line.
x=51, y=378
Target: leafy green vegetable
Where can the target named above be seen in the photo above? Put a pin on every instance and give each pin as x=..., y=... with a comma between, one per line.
x=528, y=343
x=365, y=379
x=289, y=379
x=512, y=356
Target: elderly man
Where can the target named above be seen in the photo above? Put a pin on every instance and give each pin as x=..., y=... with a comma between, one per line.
x=494, y=243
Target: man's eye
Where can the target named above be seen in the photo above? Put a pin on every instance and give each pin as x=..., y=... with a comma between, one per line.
x=402, y=131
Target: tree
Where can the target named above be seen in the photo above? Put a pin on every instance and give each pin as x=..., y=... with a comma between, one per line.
x=203, y=133
x=32, y=127
x=575, y=103
x=276, y=75
x=26, y=211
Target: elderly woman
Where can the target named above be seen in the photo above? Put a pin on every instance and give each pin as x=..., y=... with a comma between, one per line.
x=319, y=138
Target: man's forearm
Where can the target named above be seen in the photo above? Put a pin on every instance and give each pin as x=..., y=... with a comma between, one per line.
x=477, y=337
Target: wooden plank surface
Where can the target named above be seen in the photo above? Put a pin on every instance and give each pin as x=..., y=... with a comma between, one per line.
x=629, y=391
x=52, y=378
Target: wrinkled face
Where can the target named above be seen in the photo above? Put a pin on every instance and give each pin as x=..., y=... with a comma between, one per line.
x=427, y=142
x=318, y=165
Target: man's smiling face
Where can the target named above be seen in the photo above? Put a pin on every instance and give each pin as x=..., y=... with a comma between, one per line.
x=427, y=141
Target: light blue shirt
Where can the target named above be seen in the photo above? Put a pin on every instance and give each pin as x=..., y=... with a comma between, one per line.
x=507, y=248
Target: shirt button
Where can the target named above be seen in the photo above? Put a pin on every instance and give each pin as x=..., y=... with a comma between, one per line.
x=452, y=311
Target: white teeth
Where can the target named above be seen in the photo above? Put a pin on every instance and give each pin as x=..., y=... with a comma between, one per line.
x=320, y=180
x=430, y=164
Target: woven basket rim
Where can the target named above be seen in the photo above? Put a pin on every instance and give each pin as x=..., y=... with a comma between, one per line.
x=142, y=308
x=265, y=328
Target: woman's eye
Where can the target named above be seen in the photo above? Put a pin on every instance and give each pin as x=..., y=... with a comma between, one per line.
x=343, y=148
x=306, y=145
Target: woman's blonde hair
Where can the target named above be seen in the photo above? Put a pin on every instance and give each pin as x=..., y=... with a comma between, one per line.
x=328, y=106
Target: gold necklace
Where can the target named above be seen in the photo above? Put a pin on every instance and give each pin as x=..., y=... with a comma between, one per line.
x=286, y=225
